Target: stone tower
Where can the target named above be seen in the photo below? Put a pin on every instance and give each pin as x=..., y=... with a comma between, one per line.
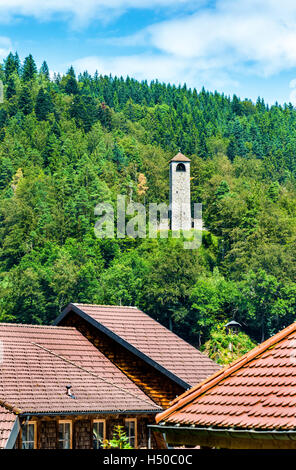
x=180, y=204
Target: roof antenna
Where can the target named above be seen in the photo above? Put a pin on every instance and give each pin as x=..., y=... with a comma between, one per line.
x=69, y=393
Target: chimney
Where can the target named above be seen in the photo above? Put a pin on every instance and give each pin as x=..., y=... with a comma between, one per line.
x=68, y=392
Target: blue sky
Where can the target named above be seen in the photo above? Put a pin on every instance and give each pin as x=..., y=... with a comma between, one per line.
x=247, y=47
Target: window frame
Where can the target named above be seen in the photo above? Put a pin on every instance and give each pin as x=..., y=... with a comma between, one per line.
x=134, y=420
x=104, y=431
x=65, y=421
x=34, y=424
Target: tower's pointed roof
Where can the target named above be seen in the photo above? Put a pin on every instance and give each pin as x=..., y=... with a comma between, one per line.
x=180, y=158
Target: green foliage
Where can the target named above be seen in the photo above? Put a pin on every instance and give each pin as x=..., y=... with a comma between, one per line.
x=29, y=69
x=44, y=105
x=225, y=348
x=71, y=87
x=119, y=440
x=11, y=65
x=25, y=103
x=44, y=70
x=69, y=143
x=11, y=89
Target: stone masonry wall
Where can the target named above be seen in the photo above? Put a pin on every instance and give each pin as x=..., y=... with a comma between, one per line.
x=180, y=197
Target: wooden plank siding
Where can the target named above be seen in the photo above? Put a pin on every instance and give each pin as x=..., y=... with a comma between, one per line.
x=47, y=430
x=156, y=385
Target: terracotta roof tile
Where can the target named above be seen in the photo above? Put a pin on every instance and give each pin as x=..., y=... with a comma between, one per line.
x=7, y=420
x=153, y=340
x=258, y=391
x=180, y=158
x=38, y=363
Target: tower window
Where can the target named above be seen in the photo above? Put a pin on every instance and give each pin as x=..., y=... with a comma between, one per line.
x=180, y=167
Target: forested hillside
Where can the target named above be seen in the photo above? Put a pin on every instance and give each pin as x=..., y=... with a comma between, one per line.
x=70, y=142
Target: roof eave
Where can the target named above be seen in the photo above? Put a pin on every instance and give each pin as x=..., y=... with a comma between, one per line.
x=226, y=432
x=180, y=157
x=212, y=381
x=96, y=412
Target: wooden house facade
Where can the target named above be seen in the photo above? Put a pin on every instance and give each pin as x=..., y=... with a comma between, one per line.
x=69, y=385
x=161, y=364
x=74, y=431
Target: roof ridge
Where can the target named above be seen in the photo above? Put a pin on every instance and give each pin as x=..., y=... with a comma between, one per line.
x=9, y=407
x=214, y=379
x=104, y=305
x=93, y=374
x=150, y=318
x=20, y=325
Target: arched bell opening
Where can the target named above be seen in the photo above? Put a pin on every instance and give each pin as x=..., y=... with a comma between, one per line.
x=180, y=167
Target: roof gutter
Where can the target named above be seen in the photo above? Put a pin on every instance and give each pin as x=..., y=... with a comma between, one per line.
x=76, y=413
x=118, y=339
x=230, y=432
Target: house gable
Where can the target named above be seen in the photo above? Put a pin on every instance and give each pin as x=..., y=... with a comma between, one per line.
x=148, y=340
x=157, y=385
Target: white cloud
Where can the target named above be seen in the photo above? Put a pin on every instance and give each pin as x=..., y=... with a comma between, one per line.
x=208, y=43
x=261, y=34
x=141, y=66
x=292, y=96
x=5, y=47
x=81, y=11
x=211, y=46
x=253, y=36
x=165, y=68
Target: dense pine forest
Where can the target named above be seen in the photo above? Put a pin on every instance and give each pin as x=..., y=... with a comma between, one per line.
x=70, y=142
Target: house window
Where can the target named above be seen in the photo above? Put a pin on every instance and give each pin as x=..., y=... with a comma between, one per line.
x=131, y=431
x=99, y=430
x=29, y=435
x=65, y=434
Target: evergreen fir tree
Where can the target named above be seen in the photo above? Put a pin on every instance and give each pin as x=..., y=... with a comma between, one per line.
x=25, y=102
x=222, y=190
x=273, y=191
x=44, y=70
x=105, y=116
x=231, y=149
x=236, y=106
x=17, y=63
x=43, y=105
x=29, y=69
x=11, y=90
x=71, y=87
x=55, y=129
x=10, y=65
x=3, y=117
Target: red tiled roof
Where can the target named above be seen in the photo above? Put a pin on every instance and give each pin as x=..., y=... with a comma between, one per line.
x=180, y=158
x=38, y=363
x=7, y=420
x=152, y=340
x=258, y=391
